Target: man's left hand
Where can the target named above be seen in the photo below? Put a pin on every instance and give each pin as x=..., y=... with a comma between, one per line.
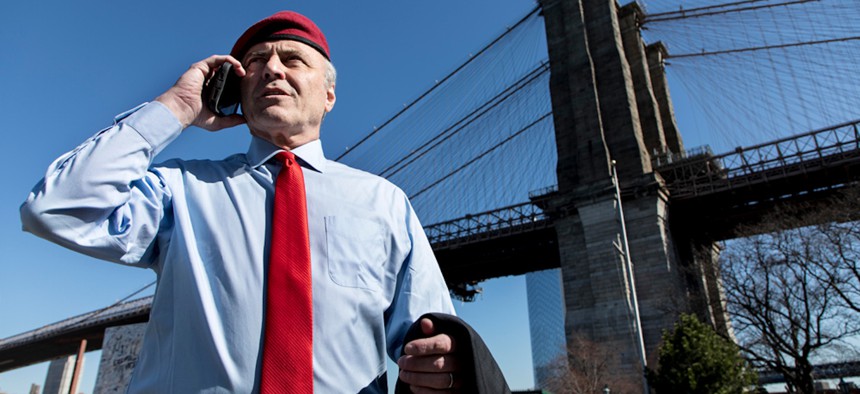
x=429, y=364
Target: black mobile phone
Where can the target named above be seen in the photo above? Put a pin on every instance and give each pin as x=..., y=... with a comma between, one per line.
x=221, y=93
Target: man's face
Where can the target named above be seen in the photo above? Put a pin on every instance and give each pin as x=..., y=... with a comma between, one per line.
x=284, y=93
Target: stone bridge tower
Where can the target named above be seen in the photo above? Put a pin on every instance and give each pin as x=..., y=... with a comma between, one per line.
x=611, y=104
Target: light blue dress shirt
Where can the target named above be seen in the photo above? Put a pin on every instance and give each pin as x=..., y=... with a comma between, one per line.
x=203, y=227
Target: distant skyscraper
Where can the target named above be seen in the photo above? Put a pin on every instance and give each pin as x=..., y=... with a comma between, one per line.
x=546, y=321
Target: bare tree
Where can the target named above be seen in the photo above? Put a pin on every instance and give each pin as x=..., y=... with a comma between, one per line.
x=839, y=265
x=587, y=368
x=792, y=289
x=835, y=228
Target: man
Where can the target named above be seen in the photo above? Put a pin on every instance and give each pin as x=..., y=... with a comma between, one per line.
x=210, y=230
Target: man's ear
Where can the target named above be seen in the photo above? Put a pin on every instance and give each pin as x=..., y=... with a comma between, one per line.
x=330, y=98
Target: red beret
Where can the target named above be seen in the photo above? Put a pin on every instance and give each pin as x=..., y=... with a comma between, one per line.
x=284, y=25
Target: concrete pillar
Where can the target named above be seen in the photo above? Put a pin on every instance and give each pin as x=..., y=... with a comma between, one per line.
x=78, y=367
x=656, y=53
x=716, y=311
x=660, y=278
x=591, y=89
x=703, y=275
x=599, y=82
x=606, y=316
x=583, y=157
x=59, y=376
x=120, y=349
x=615, y=92
x=634, y=49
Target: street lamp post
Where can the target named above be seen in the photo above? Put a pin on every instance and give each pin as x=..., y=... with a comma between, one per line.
x=637, y=322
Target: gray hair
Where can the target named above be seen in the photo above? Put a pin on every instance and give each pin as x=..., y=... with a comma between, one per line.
x=330, y=74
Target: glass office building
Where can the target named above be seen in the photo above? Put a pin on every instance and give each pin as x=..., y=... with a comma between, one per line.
x=546, y=321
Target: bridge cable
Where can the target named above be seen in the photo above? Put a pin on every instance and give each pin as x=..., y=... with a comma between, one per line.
x=648, y=19
x=124, y=299
x=467, y=114
x=461, y=124
x=683, y=11
x=476, y=158
x=802, y=89
x=760, y=48
x=442, y=81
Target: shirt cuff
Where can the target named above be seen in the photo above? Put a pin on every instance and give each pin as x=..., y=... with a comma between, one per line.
x=155, y=123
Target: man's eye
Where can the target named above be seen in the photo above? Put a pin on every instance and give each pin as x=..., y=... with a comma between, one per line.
x=252, y=60
x=292, y=60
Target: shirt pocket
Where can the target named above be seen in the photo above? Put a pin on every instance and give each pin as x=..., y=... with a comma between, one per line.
x=356, y=251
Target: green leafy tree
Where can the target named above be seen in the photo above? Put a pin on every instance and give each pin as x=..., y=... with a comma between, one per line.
x=695, y=359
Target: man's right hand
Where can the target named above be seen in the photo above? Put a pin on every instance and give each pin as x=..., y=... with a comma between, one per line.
x=185, y=101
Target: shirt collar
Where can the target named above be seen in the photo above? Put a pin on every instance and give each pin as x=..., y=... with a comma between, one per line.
x=311, y=153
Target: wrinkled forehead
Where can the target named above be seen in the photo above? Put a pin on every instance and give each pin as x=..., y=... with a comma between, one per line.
x=283, y=48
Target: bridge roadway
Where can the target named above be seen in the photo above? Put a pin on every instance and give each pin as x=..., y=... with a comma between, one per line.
x=718, y=191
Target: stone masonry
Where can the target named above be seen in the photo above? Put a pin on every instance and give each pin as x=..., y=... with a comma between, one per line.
x=607, y=107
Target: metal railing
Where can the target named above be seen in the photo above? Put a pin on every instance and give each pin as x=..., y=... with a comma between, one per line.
x=694, y=173
x=543, y=193
x=704, y=174
x=823, y=371
x=513, y=219
x=666, y=159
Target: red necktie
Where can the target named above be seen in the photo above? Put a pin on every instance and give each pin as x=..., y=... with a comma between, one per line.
x=288, y=339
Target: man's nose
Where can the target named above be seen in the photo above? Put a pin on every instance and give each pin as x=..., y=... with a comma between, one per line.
x=274, y=69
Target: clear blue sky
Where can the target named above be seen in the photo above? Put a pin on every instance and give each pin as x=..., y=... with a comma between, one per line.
x=69, y=67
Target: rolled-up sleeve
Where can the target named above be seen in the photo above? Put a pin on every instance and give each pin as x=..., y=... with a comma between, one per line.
x=101, y=198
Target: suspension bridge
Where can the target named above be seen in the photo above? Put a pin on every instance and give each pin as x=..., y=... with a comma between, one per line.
x=521, y=158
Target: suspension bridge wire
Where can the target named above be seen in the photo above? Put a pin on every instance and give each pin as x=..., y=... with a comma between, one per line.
x=652, y=19
x=98, y=312
x=465, y=121
x=483, y=185
x=507, y=60
x=774, y=71
x=480, y=156
x=459, y=121
x=760, y=48
x=817, y=99
x=124, y=299
x=772, y=57
x=683, y=11
x=442, y=81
